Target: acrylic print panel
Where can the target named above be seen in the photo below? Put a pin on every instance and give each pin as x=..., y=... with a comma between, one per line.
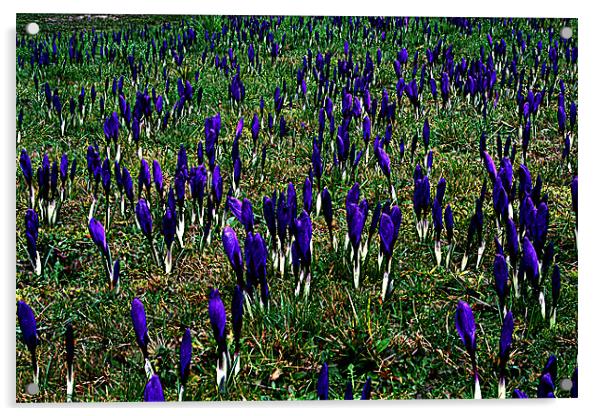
x=276, y=208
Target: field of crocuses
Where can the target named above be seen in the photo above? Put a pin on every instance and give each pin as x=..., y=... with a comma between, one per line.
x=284, y=208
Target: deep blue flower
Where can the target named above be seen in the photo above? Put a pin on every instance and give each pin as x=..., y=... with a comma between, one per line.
x=185, y=356
x=97, y=232
x=506, y=338
x=139, y=322
x=168, y=227
x=323, y=383
x=465, y=325
x=27, y=323
x=232, y=250
x=153, y=392
x=518, y=394
x=32, y=224
x=449, y=223
x=144, y=217
x=217, y=317
x=25, y=163
x=367, y=390
x=158, y=178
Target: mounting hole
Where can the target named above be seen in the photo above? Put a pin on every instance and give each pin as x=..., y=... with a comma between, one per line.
x=566, y=384
x=32, y=389
x=32, y=28
x=566, y=32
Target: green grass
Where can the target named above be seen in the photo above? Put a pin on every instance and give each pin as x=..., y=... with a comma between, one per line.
x=408, y=344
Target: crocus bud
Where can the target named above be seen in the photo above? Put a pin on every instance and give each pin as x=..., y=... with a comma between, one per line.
x=185, y=356
x=144, y=217
x=232, y=250
x=367, y=390
x=25, y=163
x=27, y=323
x=139, y=322
x=97, y=232
x=323, y=383
x=465, y=325
x=153, y=392
x=217, y=317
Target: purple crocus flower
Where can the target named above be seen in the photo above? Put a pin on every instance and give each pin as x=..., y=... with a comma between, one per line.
x=561, y=115
x=466, y=328
x=182, y=162
x=158, y=178
x=217, y=317
x=232, y=250
x=111, y=128
x=128, y=185
x=115, y=276
x=27, y=323
x=307, y=194
x=349, y=391
x=367, y=390
x=449, y=223
x=247, y=218
x=217, y=186
x=573, y=115
x=426, y=134
x=506, y=337
x=328, y=214
x=323, y=383
x=144, y=217
x=269, y=216
x=32, y=224
x=256, y=261
x=356, y=219
x=105, y=176
x=489, y=166
x=144, y=178
x=529, y=263
x=504, y=354
x=185, y=357
x=153, y=392
x=545, y=389
x=180, y=186
x=64, y=166
x=168, y=229
x=139, y=322
x=465, y=325
x=519, y=394
x=25, y=163
x=385, y=231
x=97, y=232
x=500, y=273
x=303, y=235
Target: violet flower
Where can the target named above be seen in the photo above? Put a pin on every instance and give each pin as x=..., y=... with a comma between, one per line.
x=217, y=317
x=504, y=354
x=232, y=250
x=322, y=387
x=27, y=323
x=185, y=358
x=466, y=328
x=32, y=225
x=153, y=392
